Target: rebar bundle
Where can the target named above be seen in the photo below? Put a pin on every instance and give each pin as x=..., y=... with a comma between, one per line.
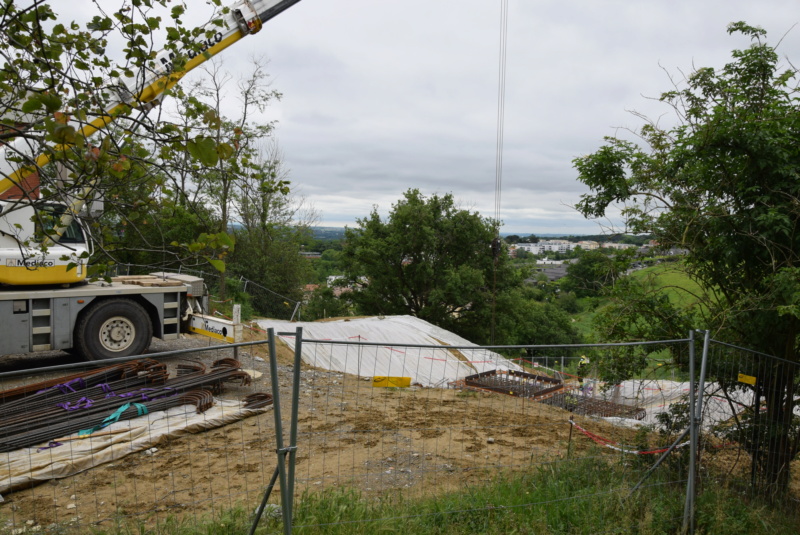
x=85, y=403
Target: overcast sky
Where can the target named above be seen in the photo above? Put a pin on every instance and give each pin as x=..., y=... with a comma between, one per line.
x=380, y=96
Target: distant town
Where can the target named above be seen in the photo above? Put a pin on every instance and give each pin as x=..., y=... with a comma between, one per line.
x=564, y=246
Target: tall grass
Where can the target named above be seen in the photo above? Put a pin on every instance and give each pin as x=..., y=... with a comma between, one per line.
x=582, y=496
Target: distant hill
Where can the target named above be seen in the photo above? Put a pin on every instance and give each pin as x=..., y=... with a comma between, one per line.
x=328, y=233
x=337, y=233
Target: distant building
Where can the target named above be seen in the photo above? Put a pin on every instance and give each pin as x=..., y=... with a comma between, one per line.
x=546, y=246
x=563, y=246
x=618, y=246
x=555, y=246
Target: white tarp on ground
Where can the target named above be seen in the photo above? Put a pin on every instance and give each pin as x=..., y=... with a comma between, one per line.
x=656, y=396
x=392, y=357
x=27, y=466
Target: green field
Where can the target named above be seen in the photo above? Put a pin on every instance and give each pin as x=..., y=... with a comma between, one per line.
x=672, y=279
x=668, y=277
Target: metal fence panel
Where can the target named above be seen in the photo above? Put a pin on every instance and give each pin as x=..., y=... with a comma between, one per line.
x=403, y=443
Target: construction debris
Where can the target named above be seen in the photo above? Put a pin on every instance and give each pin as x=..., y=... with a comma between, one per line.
x=578, y=403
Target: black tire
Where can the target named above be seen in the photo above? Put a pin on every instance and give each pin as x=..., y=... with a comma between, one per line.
x=113, y=328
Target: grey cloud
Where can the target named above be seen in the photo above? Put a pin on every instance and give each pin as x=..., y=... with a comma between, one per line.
x=383, y=96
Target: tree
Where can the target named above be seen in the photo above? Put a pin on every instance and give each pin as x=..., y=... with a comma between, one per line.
x=236, y=176
x=525, y=321
x=432, y=260
x=323, y=304
x=64, y=137
x=723, y=185
x=328, y=264
x=245, y=196
x=595, y=270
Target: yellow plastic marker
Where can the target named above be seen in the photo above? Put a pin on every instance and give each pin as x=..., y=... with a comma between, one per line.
x=749, y=379
x=397, y=382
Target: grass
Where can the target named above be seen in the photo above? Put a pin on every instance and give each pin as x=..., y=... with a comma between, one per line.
x=583, y=496
x=671, y=278
x=668, y=277
x=660, y=366
x=583, y=320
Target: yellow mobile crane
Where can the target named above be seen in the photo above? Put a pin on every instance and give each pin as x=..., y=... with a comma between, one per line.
x=41, y=306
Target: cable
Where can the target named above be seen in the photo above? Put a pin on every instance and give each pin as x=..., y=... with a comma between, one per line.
x=501, y=108
x=498, y=176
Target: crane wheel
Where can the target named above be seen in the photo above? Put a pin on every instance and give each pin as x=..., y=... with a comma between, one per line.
x=113, y=328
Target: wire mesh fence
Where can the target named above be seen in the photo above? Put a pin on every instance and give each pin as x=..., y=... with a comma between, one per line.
x=172, y=439
x=405, y=422
x=255, y=299
x=751, y=420
x=390, y=423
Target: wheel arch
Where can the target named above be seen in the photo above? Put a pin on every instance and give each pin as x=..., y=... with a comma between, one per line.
x=152, y=312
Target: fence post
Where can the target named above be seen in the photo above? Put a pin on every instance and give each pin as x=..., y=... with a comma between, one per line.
x=236, y=317
x=756, y=425
x=296, y=307
x=280, y=450
x=687, y=507
x=298, y=352
x=696, y=413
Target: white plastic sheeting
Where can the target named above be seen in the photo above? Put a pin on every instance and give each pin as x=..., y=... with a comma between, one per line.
x=656, y=396
x=27, y=466
x=393, y=357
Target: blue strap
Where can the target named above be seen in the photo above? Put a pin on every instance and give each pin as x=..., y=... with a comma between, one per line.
x=141, y=410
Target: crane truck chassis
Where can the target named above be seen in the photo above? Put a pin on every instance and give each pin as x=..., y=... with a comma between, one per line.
x=102, y=320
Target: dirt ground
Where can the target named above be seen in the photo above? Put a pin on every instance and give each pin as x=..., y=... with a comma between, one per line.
x=383, y=442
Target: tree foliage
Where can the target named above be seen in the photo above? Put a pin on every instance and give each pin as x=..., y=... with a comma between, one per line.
x=595, y=270
x=77, y=129
x=429, y=259
x=522, y=320
x=723, y=185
